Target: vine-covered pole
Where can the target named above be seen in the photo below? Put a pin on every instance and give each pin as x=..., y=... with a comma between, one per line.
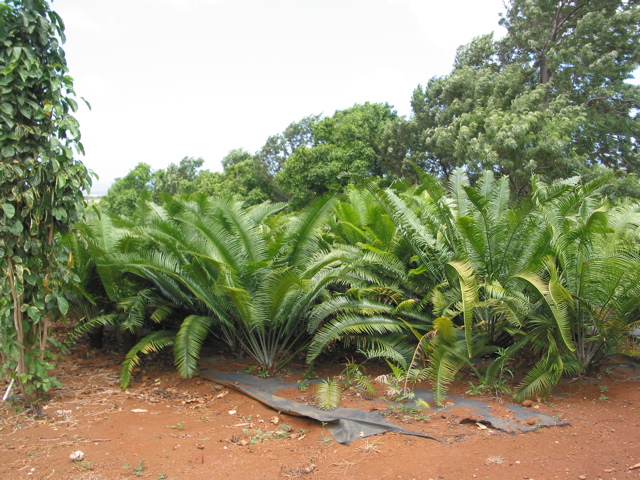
x=41, y=188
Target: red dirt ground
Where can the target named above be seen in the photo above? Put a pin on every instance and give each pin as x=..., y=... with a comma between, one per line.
x=165, y=427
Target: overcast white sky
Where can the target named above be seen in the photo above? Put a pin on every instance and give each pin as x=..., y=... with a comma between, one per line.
x=173, y=78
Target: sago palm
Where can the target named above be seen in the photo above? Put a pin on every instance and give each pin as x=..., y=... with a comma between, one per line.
x=248, y=281
x=598, y=261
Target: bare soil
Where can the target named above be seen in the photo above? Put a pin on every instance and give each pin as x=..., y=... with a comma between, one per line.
x=165, y=427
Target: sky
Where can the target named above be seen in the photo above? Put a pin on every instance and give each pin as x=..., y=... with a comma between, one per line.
x=168, y=79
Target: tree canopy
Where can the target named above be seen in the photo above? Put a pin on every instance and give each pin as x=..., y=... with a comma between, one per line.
x=550, y=97
x=352, y=145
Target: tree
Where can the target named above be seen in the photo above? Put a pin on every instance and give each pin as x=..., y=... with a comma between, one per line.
x=123, y=195
x=257, y=281
x=585, y=50
x=41, y=189
x=350, y=146
x=279, y=148
x=549, y=98
x=177, y=179
x=244, y=177
x=598, y=261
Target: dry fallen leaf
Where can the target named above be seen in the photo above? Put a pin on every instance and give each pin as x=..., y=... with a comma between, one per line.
x=222, y=394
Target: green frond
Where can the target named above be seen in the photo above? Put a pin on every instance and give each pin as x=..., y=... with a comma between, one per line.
x=445, y=330
x=328, y=394
x=154, y=342
x=346, y=324
x=486, y=184
x=469, y=297
x=392, y=347
x=499, y=363
x=457, y=181
x=257, y=214
x=542, y=377
x=445, y=361
x=556, y=300
x=476, y=247
x=281, y=286
x=428, y=183
x=500, y=196
x=90, y=325
x=302, y=234
x=137, y=309
x=409, y=225
x=188, y=342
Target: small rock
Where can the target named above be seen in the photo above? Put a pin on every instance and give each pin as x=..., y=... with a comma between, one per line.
x=77, y=456
x=308, y=469
x=531, y=421
x=527, y=403
x=582, y=477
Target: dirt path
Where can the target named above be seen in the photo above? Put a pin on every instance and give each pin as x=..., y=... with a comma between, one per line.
x=168, y=428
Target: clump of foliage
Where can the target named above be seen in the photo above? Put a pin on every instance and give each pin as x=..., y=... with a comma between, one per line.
x=553, y=275
x=41, y=189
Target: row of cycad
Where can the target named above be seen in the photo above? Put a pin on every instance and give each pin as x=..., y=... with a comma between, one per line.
x=452, y=276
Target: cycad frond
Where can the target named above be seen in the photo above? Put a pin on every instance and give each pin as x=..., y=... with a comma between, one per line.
x=445, y=361
x=542, y=377
x=328, y=394
x=469, y=298
x=556, y=300
x=153, y=342
x=349, y=324
x=391, y=347
x=90, y=325
x=301, y=238
x=188, y=342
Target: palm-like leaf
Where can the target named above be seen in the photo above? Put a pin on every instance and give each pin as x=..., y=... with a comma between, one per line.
x=188, y=341
x=153, y=342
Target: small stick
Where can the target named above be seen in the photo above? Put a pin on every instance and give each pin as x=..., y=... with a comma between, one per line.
x=6, y=394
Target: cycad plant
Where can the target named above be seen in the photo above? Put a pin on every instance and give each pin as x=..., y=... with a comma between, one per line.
x=471, y=242
x=598, y=261
x=375, y=317
x=497, y=269
x=247, y=276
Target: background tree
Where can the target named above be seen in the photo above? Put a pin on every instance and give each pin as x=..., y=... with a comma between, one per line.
x=548, y=98
x=123, y=195
x=352, y=145
x=244, y=176
x=278, y=148
x=585, y=50
x=41, y=189
x=177, y=179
